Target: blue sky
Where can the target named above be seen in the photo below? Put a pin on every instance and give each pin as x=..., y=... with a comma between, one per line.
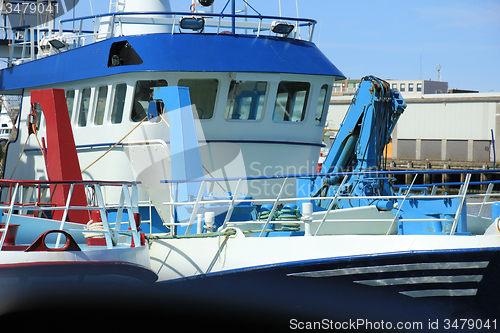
x=392, y=39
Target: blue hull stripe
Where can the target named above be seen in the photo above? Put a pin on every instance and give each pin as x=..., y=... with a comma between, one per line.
x=207, y=141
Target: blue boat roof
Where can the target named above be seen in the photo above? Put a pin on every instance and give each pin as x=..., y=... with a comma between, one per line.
x=173, y=52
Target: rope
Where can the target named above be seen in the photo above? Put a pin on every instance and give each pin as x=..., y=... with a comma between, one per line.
x=39, y=145
x=116, y=144
x=281, y=215
x=287, y=227
x=229, y=232
x=93, y=226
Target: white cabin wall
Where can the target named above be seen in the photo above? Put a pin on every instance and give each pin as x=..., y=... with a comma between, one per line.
x=259, y=158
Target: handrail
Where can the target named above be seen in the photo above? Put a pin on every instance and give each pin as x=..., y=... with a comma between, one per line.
x=7, y=221
x=344, y=173
x=408, y=196
x=462, y=200
x=129, y=203
x=331, y=205
x=213, y=20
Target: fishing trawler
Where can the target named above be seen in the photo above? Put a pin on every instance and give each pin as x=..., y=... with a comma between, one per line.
x=235, y=83
x=220, y=117
x=53, y=244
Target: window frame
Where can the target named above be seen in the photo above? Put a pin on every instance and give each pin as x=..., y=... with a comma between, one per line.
x=111, y=114
x=70, y=112
x=259, y=107
x=96, y=104
x=215, y=99
x=290, y=102
x=324, y=110
x=81, y=97
x=146, y=85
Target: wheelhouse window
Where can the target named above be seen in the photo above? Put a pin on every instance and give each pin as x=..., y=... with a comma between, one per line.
x=402, y=87
x=118, y=103
x=245, y=100
x=70, y=101
x=322, y=107
x=203, y=93
x=84, y=107
x=419, y=86
x=142, y=96
x=410, y=86
x=291, y=101
x=102, y=94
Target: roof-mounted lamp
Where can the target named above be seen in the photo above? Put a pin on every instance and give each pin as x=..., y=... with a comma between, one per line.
x=205, y=3
x=192, y=23
x=57, y=44
x=282, y=28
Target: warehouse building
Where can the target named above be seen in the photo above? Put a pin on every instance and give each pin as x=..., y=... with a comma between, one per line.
x=458, y=127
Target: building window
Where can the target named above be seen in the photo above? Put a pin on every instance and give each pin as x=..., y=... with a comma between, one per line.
x=100, y=106
x=142, y=97
x=118, y=103
x=245, y=100
x=395, y=86
x=419, y=86
x=84, y=107
x=203, y=93
x=291, y=101
x=402, y=87
x=410, y=86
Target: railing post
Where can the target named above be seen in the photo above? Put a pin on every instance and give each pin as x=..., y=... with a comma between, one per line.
x=32, y=43
x=9, y=214
x=331, y=204
x=96, y=29
x=271, y=214
x=119, y=212
x=112, y=30
x=486, y=198
x=131, y=218
x=231, y=206
x=195, y=208
x=104, y=218
x=65, y=214
x=311, y=31
x=400, y=206
x=462, y=200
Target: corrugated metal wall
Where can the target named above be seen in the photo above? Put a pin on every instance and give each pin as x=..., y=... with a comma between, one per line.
x=455, y=127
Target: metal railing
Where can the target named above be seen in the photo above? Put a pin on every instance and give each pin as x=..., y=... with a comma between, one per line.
x=462, y=195
x=33, y=198
x=250, y=24
x=90, y=29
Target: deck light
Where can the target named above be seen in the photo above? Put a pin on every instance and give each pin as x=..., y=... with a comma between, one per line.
x=282, y=28
x=57, y=44
x=205, y=3
x=192, y=23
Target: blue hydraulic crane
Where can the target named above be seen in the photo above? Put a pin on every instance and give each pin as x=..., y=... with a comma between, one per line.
x=359, y=146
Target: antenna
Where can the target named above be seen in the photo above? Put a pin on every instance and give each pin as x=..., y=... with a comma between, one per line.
x=438, y=68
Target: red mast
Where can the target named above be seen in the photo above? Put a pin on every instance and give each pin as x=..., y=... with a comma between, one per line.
x=61, y=157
